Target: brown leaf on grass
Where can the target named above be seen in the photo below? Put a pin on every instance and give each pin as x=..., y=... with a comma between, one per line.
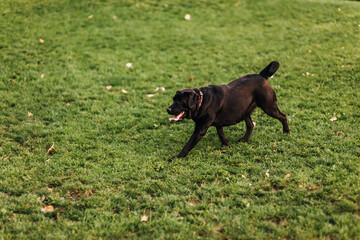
x=191, y=79
x=51, y=148
x=267, y=173
x=237, y=4
x=314, y=187
x=90, y=17
x=287, y=175
x=309, y=51
x=48, y=209
x=333, y=119
x=30, y=114
x=41, y=40
x=114, y=17
x=340, y=133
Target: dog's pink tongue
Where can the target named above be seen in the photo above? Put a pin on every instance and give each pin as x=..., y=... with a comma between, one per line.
x=176, y=118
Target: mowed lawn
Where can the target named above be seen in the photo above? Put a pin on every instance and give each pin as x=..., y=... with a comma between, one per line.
x=85, y=136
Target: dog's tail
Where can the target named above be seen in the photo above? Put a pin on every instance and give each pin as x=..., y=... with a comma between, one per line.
x=270, y=69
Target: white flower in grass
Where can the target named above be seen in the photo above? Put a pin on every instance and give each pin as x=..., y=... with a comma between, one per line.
x=128, y=65
x=187, y=17
x=144, y=218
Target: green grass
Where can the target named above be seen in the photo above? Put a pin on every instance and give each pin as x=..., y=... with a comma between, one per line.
x=109, y=166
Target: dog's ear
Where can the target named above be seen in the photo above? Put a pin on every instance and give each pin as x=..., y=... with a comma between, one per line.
x=192, y=100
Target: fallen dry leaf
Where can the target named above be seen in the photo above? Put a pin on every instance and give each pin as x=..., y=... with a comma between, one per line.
x=108, y=87
x=309, y=51
x=67, y=104
x=187, y=17
x=90, y=17
x=237, y=4
x=48, y=209
x=339, y=9
x=267, y=173
x=159, y=88
x=340, y=133
x=144, y=218
x=51, y=148
x=30, y=114
x=42, y=75
x=191, y=79
x=333, y=119
x=114, y=17
x=287, y=175
x=41, y=40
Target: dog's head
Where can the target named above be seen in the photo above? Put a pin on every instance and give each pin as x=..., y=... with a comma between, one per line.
x=186, y=101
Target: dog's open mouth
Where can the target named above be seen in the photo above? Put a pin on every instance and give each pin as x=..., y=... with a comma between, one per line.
x=177, y=118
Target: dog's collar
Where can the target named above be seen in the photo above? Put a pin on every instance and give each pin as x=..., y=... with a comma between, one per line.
x=201, y=98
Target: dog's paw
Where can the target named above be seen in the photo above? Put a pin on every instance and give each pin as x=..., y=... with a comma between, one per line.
x=243, y=139
x=226, y=144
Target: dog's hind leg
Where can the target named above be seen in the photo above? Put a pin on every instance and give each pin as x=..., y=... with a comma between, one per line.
x=249, y=129
x=222, y=136
x=272, y=109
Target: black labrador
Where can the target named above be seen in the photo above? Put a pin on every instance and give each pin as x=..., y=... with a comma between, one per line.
x=225, y=105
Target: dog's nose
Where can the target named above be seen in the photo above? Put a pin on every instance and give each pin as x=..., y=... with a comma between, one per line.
x=168, y=110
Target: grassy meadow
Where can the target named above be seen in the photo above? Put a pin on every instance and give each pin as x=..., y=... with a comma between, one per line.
x=85, y=138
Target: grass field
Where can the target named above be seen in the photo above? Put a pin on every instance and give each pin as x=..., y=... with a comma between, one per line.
x=81, y=159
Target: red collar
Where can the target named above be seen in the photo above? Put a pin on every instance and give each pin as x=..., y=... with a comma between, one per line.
x=201, y=98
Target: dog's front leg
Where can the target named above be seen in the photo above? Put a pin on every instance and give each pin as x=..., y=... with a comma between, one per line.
x=222, y=136
x=194, y=139
x=200, y=130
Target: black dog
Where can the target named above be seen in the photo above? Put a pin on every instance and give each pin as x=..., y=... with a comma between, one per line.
x=225, y=105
